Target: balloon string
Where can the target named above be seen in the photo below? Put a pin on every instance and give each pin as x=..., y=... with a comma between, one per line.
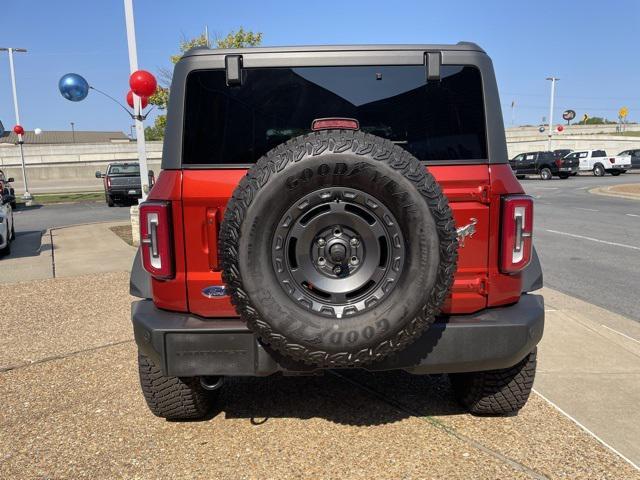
x=109, y=96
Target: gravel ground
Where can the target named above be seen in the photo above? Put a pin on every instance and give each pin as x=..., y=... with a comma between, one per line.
x=72, y=409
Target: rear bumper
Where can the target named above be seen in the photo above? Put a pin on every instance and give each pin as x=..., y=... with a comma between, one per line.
x=187, y=345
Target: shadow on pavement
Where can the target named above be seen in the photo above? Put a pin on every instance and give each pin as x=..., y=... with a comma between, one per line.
x=28, y=244
x=347, y=397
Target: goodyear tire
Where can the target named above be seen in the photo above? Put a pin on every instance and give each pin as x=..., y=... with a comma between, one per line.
x=338, y=248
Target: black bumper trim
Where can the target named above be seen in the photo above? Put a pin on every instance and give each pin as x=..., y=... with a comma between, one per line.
x=188, y=345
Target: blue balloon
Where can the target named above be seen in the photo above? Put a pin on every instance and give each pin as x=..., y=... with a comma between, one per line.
x=73, y=87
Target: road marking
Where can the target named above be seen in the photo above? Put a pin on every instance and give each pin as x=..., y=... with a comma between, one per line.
x=620, y=333
x=550, y=310
x=587, y=430
x=632, y=247
x=584, y=188
x=631, y=215
x=587, y=209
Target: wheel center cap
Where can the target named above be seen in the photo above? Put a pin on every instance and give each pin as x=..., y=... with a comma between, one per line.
x=338, y=252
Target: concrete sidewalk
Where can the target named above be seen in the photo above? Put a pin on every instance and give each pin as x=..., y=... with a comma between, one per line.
x=66, y=252
x=91, y=248
x=589, y=366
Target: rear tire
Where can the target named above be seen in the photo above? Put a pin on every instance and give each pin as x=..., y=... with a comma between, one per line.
x=520, y=177
x=598, y=170
x=173, y=398
x=564, y=176
x=615, y=173
x=545, y=173
x=110, y=201
x=496, y=392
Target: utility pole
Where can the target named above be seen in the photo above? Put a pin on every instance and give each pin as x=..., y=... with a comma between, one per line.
x=133, y=66
x=73, y=132
x=27, y=196
x=553, y=94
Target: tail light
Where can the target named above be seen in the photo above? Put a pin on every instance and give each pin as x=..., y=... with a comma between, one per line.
x=155, y=239
x=108, y=182
x=612, y=160
x=517, y=233
x=559, y=162
x=329, y=123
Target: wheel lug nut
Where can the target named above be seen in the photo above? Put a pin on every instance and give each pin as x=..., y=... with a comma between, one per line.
x=321, y=261
x=337, y=270
x=354, y=242
x=354, y=260
x=321, y=242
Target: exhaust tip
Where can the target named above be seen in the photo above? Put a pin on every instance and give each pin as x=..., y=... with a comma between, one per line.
x=211, y=383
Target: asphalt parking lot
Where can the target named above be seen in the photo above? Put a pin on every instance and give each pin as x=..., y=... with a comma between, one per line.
x=589, y=245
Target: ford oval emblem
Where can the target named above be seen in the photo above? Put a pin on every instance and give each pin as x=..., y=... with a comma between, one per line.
x=214, y=291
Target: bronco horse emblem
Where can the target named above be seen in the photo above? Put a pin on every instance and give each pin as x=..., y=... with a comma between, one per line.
x=466, y=231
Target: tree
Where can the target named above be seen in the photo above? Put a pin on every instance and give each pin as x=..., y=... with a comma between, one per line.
x=157, y=131
x=238, y=39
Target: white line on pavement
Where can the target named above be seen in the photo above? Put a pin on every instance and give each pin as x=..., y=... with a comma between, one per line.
x=631, y=215
x=620, y=333
x=632, y=247
x=587, y=209
x=587, y=430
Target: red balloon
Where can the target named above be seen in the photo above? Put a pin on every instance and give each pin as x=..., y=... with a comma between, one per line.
x=143, y=83
x=560, y=128
x=143, y=100
x=18, y=130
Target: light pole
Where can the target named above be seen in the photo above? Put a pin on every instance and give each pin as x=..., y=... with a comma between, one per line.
x=27, y=196
x=553, y=94
x=133, y=66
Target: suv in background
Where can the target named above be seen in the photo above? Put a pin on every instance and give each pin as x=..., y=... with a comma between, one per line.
x=635, y=157
x=336, y=207
x=598, y=162
x=545, y=164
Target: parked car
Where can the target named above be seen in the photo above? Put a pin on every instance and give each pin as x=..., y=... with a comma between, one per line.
x=545, y=164
x=634, y=157
x=7, y=228
x=598, y=162
x=563, y=152
x=121, y=182
x=283, y=237
x=7, y=189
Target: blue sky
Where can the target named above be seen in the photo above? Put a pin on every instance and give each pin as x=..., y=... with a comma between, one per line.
x=593, y=46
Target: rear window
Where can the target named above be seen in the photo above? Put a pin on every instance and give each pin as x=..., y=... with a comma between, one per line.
x=599, y=153
x=237, y=125
x=124, y=169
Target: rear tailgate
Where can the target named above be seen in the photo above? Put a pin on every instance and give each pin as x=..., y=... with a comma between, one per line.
x=120, y=182
x=206, y=192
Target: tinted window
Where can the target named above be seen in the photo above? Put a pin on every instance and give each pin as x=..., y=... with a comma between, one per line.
x=599, y=153
x=237, y=125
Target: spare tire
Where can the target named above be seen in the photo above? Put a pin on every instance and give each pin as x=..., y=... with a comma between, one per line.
x=338, y=248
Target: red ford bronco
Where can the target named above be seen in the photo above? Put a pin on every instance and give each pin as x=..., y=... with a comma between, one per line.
x=336, y=207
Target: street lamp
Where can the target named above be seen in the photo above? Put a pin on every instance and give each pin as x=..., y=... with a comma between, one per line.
x=27, y=196
x=553, y=94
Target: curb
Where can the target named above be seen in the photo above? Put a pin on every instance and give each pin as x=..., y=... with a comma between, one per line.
x=606, y=192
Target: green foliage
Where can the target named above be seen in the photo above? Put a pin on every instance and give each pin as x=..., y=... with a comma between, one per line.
x=157, y=131
x=238, y=39
x=596, y=121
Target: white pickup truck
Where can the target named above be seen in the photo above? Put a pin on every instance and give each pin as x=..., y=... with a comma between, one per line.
x=598, y=162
